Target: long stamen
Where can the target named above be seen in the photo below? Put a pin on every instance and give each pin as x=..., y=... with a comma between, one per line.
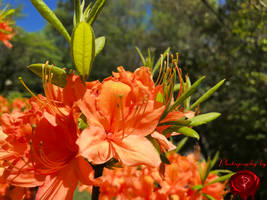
x=180, y=79
x=28, y=89
x=161, y=65
x=47, y=85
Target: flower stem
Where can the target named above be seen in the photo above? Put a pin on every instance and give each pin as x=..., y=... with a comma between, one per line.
x=98, y=172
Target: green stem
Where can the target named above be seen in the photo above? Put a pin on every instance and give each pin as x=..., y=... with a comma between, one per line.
x=98, y=172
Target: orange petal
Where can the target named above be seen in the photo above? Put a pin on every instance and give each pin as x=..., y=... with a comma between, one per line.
x=163, y=141
x=84, y=171
x=109, y=97
x=144, y=123
x=94, y=146
x=60, y=185
x=135, y=150
x=23, y=175
x=88, y=108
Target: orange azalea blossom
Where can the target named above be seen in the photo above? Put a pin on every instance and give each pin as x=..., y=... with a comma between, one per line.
x=120, y=112
x=6, y=33
x=146, y=183
x=54, y=150
x=38, y=147
x=16, y=130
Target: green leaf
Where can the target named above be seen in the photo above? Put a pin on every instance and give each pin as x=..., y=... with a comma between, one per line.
x=50, y=16
x=158, y=63
x=59, y=75
x=200, y=172
x=181, y=144
x=208, y=196
x=188, y=132
x=141, y=56
x=7, y=13
x=187, y=94
x=97, y=7
x=187, y=100
x=99, y=44
x=204, y=118
x=197, y=187
x=220, y=179
x=205, y=96
x=170, y=129
x=217, y=171
x=207, y=171
x=164, y=159
x=83, y=48
x=183, y=130
x=77, y=12
x=214, y=160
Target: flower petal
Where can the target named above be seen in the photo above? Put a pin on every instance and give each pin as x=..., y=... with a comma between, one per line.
x=136, y=150
x=163, y=141
x=60, y=185
x=94, y=146
x=84, y=171
x=22, y=174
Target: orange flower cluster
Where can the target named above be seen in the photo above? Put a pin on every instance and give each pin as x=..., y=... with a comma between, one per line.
x=174, y=183
x=6, y=33
x=52, y=141
x=17, y=104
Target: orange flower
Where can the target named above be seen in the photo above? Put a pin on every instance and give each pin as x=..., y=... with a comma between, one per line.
x=38, y=147
x=56, y=159
x=120, y=112
x=54, y=149
x=6, y=33
x=15, y=133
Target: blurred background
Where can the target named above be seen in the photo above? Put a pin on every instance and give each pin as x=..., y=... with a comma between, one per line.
x=219, y=39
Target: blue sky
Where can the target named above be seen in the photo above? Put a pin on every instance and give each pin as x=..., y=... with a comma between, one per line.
x=32, y=21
